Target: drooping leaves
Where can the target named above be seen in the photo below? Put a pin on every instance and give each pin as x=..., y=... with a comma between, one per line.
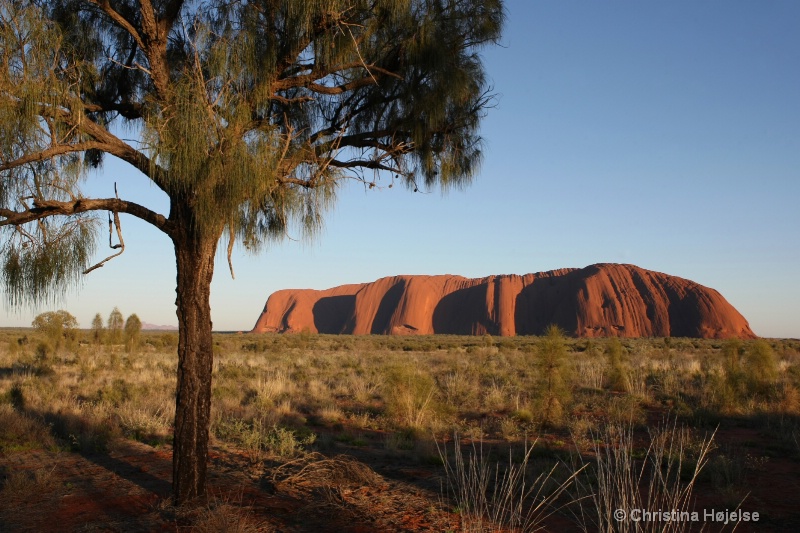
x=248, y=113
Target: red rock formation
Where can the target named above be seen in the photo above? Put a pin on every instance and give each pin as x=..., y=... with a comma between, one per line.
x=599, y=300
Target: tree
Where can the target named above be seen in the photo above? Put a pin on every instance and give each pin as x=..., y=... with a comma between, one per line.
x=554, y=388
x=97, y=329
x=56, y=326
x=133, y=327
x=115, y=323
x=245, y=114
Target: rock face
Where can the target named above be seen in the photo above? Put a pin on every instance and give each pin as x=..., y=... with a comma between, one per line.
x=596, y=301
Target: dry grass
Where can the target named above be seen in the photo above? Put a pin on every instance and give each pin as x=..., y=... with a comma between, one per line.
x=286, y=398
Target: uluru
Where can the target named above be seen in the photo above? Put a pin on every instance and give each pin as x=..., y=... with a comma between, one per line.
x=596, y=301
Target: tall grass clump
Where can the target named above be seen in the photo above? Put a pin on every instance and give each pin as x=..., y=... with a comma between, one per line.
x=410, y=396
x=663, y=480
x=493, y=496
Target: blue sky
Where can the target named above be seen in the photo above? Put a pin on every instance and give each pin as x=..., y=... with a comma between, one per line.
x=662, y=134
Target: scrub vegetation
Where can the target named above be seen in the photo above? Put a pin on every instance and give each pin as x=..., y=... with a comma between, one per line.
x=513, y=433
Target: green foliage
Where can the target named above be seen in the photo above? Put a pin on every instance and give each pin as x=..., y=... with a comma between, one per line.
x=57, y=326
x=258, y=438
x=255, y=114
x=761, y=367
x=98, y=331
x=43, y=260
x=619, y=372
x=733, y=388
x=411, y=395
x=133, y=330
x=554, y=389
x=246, y=115
x=115, y=323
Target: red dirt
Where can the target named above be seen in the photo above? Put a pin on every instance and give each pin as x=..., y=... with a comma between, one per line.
x=599, y=300
x=127, y=490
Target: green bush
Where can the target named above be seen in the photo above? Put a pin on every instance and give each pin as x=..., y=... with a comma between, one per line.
x=115, y=324
x=761, y=367
x=133, y=330
x=59, y=327
x=619, y=371
x=410, y=396
x=554, y=391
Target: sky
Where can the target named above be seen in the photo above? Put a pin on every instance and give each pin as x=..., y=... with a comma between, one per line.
x=661, y=134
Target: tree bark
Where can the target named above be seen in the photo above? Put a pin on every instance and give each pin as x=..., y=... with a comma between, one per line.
x=194, y=255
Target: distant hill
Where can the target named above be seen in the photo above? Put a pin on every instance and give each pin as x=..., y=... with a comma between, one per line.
x=595, y=301
x=153, y=327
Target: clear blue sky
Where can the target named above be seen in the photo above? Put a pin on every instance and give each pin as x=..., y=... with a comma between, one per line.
x=662, y=134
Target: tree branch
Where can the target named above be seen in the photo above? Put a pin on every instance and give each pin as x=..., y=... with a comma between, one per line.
x=47, y=208
x=53, y=151
x=121, y=21
x=363, y=163
x=121, y=244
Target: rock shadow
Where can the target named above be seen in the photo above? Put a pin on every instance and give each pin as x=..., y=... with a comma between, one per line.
x=463, y=312
x=334, y=314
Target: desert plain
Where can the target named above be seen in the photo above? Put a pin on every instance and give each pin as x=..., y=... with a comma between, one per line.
x=315, y=432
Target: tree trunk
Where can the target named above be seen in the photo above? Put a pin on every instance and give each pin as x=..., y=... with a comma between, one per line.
x=194, y=253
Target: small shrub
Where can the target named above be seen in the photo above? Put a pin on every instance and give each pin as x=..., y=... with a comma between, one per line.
x=258, y=439
x=98, y=331
x=410, y=396
x=19, y=431
x=133, y=330
x=619, y=371
x=554, y=389
x=28, y=486
x=43, y=351
x=761, y=367
x=16, y=397
x=58, y=327
x=115, y=324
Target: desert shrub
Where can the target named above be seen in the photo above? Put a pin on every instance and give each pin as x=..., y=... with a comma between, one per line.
x=43, y=350
x=168, y=340
x=58, y=327
x=133, y=330
x=116, y=394
x=735, y=378
x=19, y=431
x=98, y=331
x=761, y=367
x=619, y=370
x=115, y=324
x=459, y=387
x=83, y=427
x=16, y=397
x=410, y=395
x=790, y=399
x=24, y=486
x=590, y=372
x=146, y=425
x=259, y=439
x=554, y=390
x=223, y=516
